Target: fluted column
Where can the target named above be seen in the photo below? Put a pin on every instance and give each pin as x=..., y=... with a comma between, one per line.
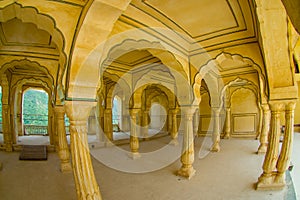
x=265, y=129
x=266, y=180
x=63, y=148
x=108, y=130
x=216, y=131
x=145, y=125
x=134, y=139
x=187, y=157
x=227, y=123
x=286, y=148
x=85, y=181
x=174, y=129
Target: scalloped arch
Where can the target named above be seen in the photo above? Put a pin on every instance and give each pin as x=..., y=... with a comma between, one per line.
x=42, y=21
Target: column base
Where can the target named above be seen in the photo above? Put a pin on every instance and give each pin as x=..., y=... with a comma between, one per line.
x=174, y=142
x=262, y=148
x=270, y=182
x=186, y=172
x=226, y=136
x=65, y=167
x=9, y=148
x=134, y=155
x=215, y=147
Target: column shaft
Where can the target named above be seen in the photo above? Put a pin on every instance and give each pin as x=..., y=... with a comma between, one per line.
x=85, y=181
x=216, y=131
x=63, y=148
x=134, y=139
x=265, y=129
x=187, y=157
x=266, y=180
x=227, y=124
x=286, y=148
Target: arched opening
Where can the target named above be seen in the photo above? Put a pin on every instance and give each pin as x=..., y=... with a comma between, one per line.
x=158, y=118
x=34, y=116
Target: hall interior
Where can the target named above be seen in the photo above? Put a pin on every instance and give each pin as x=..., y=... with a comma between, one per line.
x=145, y=88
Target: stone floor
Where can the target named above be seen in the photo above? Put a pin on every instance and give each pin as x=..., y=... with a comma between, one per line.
x=229, y=174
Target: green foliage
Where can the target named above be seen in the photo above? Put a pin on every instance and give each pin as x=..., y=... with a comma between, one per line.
x=35, y=107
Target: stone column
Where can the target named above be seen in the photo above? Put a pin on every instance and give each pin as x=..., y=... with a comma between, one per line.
x=7, y=135
x=266, y=180
x=108, y=129
x=196, y=122
x=63, y=148
x=145, y=125
x=260, y=123
x=216, y=131
x=85, y=181
x=286, y=148
x=187, y=157
x=134, y=139
x=265, y=129
x=227, y=123
x=174, y=130
x=6, y=120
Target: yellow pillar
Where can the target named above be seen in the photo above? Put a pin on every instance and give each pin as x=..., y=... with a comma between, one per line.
x=286, y=148
x=108, y=130
x=216, y=131
x=7, y=135
x=134, y=139
x=265, y=129
x=85, y=181
x=187, y=157
x=227, y=123
x=63, y=148
x=174, y=129
x=266, y=180
x=145, y=125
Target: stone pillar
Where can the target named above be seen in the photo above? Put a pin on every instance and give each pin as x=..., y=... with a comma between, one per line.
x=286, y=148
x=196, y=122
x=85, y=181
x=108, y=129
x=216, y=131
x=174, y=129
x=260, y=123
x=187, y=157
x=265, y=129
x=145, y=125
x=63, y=148
x=7, y=135
x=227, y=123
x=266, y=180
x=134, y=138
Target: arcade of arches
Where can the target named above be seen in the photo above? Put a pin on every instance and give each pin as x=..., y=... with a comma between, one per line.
x=143, y=66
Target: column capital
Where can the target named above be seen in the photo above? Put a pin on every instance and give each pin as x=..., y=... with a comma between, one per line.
x=78, y=110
